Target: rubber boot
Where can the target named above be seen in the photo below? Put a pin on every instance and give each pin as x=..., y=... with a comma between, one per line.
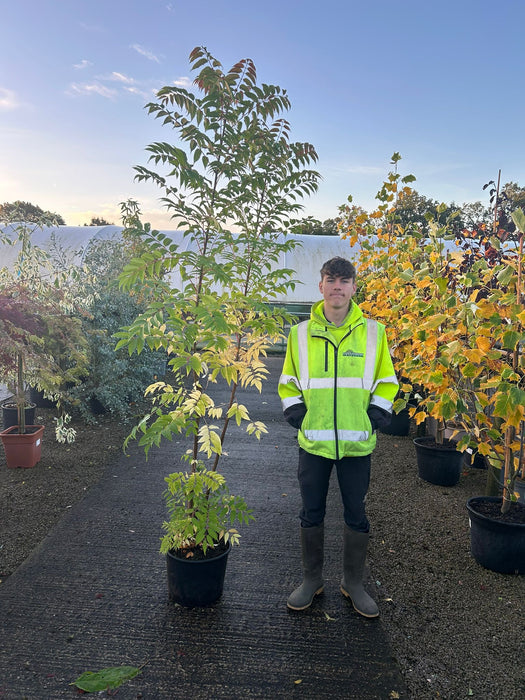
x=312, y=549
x=355, y=545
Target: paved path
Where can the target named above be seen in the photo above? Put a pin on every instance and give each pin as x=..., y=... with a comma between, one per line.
x=94, y=595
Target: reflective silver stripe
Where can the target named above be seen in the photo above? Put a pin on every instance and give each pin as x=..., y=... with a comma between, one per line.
x=371, y=353
x=302, y=338
x=385, y=380
x=342, y=383
x=292, y=401
x=381, y=402
x=322, y=383
x=289, y=379
x=353, y=435
x=329, y=435
x=351, y=383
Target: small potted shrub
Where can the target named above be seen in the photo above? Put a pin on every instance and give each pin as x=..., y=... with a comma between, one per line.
x=21, y=330
x=209, y=305
x=202, y=513
x=439, y=325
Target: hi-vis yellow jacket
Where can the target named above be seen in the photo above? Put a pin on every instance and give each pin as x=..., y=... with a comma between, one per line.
x=338, y=383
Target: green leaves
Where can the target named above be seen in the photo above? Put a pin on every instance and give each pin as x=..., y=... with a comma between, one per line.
x=518, y=216
x=209, y=308
x=201, y=510
x=511, y=339
x=106, y=679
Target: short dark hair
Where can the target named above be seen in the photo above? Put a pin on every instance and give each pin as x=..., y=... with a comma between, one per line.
x=338, y=267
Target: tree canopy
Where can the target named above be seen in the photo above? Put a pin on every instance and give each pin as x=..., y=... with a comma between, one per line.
x=28, y=213
x=310, y=226
x=99, y=221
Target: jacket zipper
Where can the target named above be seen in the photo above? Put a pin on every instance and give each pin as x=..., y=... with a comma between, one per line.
x=335, y=404
x=336, y=376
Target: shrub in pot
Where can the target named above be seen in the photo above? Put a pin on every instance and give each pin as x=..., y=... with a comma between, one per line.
x=21, y=326
x=498, y=422
x=210, y=304
x=402, y=274
x=199, y=529
x=22, y=330
x=460, y=315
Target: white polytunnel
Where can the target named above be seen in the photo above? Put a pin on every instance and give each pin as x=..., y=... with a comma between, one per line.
x=306, y=259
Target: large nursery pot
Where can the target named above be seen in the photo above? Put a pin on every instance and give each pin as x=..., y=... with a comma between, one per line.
x=22, y=450
x=10, y=414
x=196, y=583
x=438, y=464
x=497, y=544
x=38, y=398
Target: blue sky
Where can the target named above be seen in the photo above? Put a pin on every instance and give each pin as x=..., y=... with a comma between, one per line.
x=440, y=82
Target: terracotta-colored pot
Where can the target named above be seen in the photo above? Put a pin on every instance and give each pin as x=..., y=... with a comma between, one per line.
x=22, y=450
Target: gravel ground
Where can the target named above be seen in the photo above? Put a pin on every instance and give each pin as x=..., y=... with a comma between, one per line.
x=456, y=629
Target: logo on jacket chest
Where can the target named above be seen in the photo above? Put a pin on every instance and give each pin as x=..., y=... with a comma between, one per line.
x=351, y=353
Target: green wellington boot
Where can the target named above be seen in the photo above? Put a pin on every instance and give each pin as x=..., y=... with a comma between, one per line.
x=312, y=550
x=355, y=545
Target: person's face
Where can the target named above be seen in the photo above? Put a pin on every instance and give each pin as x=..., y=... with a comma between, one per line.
x=337, y=291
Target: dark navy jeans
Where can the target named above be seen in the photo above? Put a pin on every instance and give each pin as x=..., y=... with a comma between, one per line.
x=353, y=474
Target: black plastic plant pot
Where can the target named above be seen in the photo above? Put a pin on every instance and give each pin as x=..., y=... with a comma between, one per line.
x=438, y=464
x=196, y=583
x=10, y=414
x=38, y=398
x=496, y=544
x=399, y=424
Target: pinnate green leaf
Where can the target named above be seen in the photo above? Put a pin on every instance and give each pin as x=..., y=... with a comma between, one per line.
x=93, y=682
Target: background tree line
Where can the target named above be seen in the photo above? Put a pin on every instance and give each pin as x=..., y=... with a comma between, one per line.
x=413, y=209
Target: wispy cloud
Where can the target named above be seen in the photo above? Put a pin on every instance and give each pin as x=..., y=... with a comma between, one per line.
x=115, y=76
x=8, y=100
x=83, y=64
x=144, y=52
x=92, y=89
x=112, y=86
x=141, y=93
x=183, y=81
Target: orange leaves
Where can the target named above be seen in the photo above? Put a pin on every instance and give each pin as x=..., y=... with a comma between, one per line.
x=455, y=324
x=484, y=344
x=474, y=355
x=419, y=417
x=484, y=448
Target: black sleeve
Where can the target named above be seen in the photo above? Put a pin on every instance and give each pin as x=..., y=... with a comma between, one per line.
x=295, y=414
x=379, y=417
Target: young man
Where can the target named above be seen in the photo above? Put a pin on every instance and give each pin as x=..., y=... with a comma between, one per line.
x=337, y=387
